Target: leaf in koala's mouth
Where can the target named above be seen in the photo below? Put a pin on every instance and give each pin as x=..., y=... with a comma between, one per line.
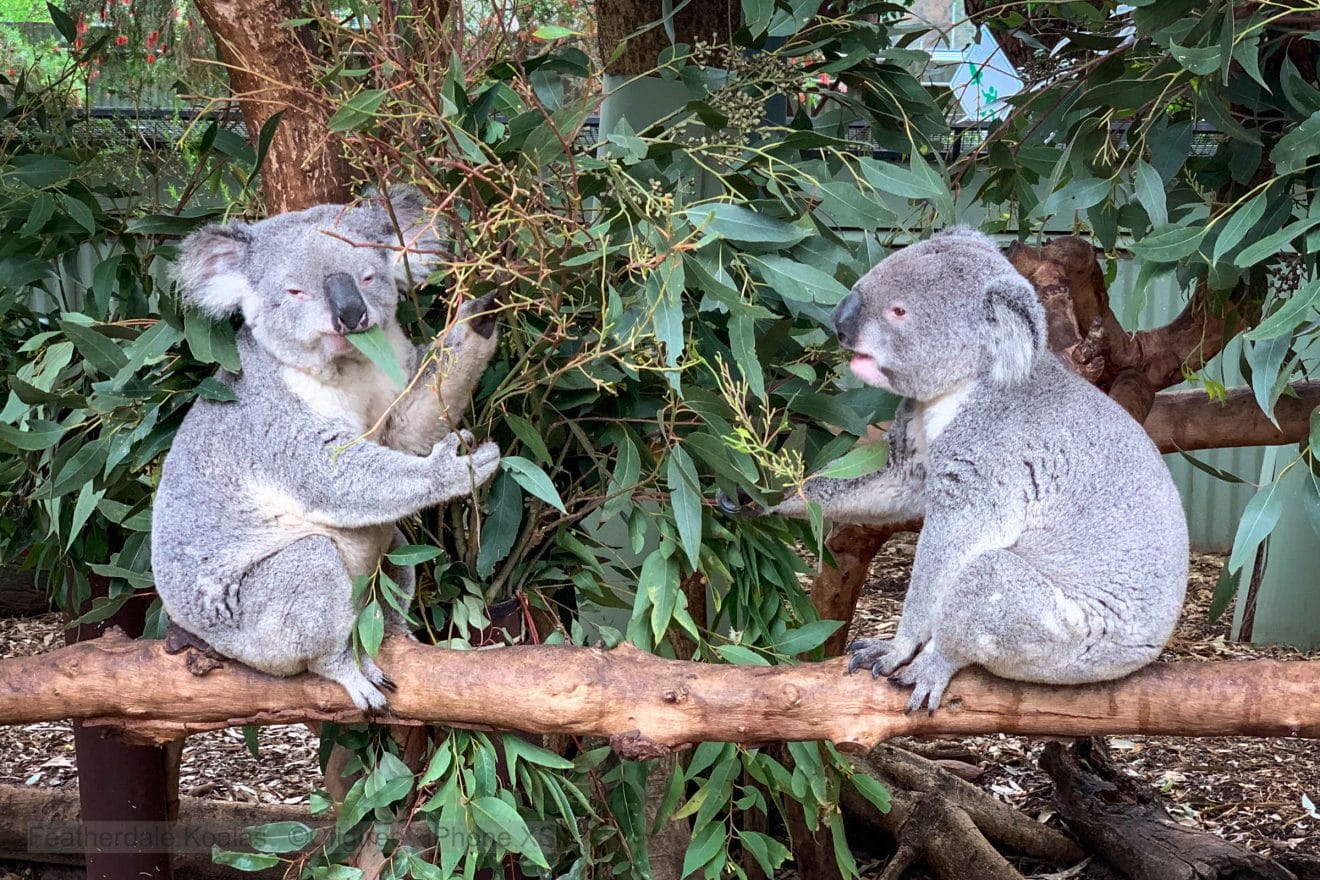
x=373, y=343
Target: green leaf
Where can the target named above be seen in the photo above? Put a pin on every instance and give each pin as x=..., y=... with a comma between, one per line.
x=81, y=468
x=768, y=852
x=1150, y=193
x=358, y=111
x=1291, y=154
x=502, y=822
x=899, y=181
x=549, y=32
x=530, y=437
x=212, y=388
x=63, y=23
x=380, y=351
x=88, y=498
x=533, y=479
x=872, y=790
x=1295, y=309
x=371, y=627
x=736, y=223
x=1200, y=60
x=413, y=554
x=741, y=655
x=1226, y=588
x=742, y=341
x=439, y=764
x=706, y=845
x=1264, y=248
x=499, y=531
x=280, y=837
x=106, y=357
x=1259, y=518
x=807, y=637
x=243, y=861
x=516, y=748
x=39, y=435
x=1239, y=225
x=757, y=15
x=798, y=281
x=859, y=461
x=1169, y=243
x=78, y=210
x=685, y=496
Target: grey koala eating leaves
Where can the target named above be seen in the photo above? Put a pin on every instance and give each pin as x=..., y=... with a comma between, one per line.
x=270, y=505
x=1054, y=547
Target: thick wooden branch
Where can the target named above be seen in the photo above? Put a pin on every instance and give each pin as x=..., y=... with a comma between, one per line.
x=1189, y=420
x=648, y=704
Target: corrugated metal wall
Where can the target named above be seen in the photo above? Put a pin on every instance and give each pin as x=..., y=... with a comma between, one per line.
x=1213, y=506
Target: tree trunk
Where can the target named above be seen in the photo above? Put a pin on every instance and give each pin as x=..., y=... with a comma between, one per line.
x=1189, y=420
x=648, y=704
x=632, y=25
x=271, y=70
x=1128, y=827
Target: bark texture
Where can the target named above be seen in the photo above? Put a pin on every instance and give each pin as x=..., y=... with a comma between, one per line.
x=1189, y=420
x=627, y=22
x=271, y=71
x=647, y=703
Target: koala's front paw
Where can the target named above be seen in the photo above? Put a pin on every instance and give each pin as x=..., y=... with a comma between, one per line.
x=881, y=656
x=928, y=675
x=466, y=472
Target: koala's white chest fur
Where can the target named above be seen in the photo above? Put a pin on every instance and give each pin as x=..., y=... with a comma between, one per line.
x=357, y=391
x=933, y=416
x=286, y=521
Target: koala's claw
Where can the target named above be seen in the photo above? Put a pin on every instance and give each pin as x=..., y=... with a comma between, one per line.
x=928, y=675
x=881, y=656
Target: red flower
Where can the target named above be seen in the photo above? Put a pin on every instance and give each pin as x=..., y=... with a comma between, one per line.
x=77, y=44
x=162, y=48
x=153, y=37
x=151, y=59
x=121, y=40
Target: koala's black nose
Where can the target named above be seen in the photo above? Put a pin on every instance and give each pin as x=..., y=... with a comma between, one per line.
x=348, y=310
x=845, y=319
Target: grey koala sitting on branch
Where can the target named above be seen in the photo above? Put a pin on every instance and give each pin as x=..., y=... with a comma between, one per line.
x=1054, y=547
x=270, y=505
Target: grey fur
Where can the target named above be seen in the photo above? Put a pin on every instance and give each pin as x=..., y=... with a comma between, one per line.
x=269, y=506
x=1055, y=545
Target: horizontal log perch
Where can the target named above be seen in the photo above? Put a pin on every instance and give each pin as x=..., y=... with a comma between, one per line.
x=648, y=704
x=1190, y=420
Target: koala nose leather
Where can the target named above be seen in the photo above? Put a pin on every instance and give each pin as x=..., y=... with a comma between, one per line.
x=348, y=309
x=845, y=318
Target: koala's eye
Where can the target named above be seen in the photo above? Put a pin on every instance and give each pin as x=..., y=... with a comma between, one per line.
x=368, y=278
x=297, y=294
x=897, y=312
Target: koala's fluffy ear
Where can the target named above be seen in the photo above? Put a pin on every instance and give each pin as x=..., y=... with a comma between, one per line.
x=1015, y=334
x=210, y=268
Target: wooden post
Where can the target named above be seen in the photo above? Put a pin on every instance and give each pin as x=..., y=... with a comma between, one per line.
x=117, y=782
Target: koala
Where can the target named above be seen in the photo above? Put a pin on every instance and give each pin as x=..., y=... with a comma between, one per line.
x=1054, y=547
x=270, y=505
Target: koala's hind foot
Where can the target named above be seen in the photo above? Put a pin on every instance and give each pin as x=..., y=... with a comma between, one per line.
x=928, y=675
x=363, y=683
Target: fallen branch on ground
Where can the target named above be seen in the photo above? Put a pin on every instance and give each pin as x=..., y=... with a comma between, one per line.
x=647, y=704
